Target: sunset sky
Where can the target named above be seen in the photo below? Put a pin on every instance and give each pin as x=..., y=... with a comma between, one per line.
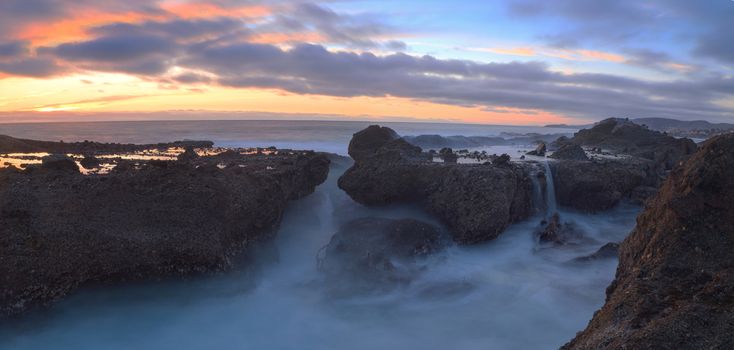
x=484, y=61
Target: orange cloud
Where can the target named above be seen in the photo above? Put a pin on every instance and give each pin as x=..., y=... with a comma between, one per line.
x=570, y=55
x=517, y=51
x=204, y=10
x=280, y=38
x=600, y=56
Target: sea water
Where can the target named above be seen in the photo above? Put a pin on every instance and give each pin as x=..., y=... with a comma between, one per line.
x=510, y=293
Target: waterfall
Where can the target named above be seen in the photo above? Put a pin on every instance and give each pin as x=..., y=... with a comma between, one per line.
x=550, y=195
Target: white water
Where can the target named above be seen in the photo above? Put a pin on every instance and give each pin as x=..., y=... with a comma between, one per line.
x=506, y=294
x=510, y=293
x=550, y=190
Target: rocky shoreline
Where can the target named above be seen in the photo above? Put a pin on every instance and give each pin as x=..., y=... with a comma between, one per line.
x=145, y=219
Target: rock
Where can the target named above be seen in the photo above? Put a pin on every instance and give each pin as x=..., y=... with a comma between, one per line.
x=600, y=185
x=607, y=251
x=559, y=142
x=557, y=232
x=539, y=151
x=674, y=287
x=366, y=142
x=624, y=136
x=14, y=145
x=475, y=201
x=569, y=151
x=188, y=154
x=502, y=160
x=374, y=254
x=448, y=155
x=62, y=229
x=59, y=162
x=90, y=162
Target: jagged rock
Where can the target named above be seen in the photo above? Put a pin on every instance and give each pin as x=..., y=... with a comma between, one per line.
x=372, y=254
x=59, y=162
x=504, y=159
x=366, y=142
x=607, y=251
x=539, y=151
x=188, y=154
x=476, y=201
x=14, y=145
x=62, y=229
x=674, y=287
x=569, y=151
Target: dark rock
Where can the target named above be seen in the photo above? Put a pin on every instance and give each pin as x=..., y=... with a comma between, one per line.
x=607, y=251
x=448, y=155
x=502, y=160
x=539, y=151
x=674, y=287
x=188, y=154
x=62, y=229
x=594, y=186
x=373, y=254
x=59, y=162
x=90, y=162
x=569, y=151
x=13, y=145
x=366, y=142
x=477, y=202
x=557, y=232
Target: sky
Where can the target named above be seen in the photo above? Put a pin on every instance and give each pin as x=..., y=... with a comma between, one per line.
x=486, y=61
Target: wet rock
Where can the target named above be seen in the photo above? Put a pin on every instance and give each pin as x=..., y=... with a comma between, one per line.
x=188, y=154
x=475, y=201
x=374, y=254
x=502, y=160
x=607, y=251
x=674, y=287
x=59, y=162
x=569, y=151
x=557, y=232
x=539, y=151
x=366, y=142
x=14, y=145
x=62, y=229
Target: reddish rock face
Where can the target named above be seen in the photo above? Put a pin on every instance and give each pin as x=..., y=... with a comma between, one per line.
x=674, y=287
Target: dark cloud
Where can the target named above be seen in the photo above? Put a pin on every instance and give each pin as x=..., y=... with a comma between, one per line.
x=31, y=67
x=13, y=49
x=175, y=29
x=311, y=69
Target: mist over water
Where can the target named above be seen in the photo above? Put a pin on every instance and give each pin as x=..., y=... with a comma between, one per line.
x=511, y=293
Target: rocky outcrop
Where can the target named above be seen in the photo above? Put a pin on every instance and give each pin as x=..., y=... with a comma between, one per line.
x=593, y=186
x=569, y=151
x=637, y=161
x=148, y=219
x=538, y=151
x=14, y=145
x=607, y=251
x=674, y=287
x=625, y=137
x=372, y=254
x=476, y=201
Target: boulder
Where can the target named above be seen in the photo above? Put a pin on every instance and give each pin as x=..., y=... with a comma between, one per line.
x=674, y=287
x=374, y=254
x=90, y=162
x=607, y=251
x=366, y=142
x=539, y=151
x=475, y=201
x=569, y=151
x=59, y=162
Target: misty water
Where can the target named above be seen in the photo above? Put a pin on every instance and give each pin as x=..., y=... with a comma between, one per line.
x=510, y=293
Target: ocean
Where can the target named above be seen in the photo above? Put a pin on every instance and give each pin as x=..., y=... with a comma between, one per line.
x=510, y=293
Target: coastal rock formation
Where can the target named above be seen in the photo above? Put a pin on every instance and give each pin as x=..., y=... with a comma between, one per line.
x=14, y=145
x=149, y=219
x=569, y=151
x=371, y=254
x=475, y=201
x=639, y=162
x=674, y=287
x=607, y=251
x=538, y=151
x=592, y=186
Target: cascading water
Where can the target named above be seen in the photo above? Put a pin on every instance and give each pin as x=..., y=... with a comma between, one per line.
x=550, y=191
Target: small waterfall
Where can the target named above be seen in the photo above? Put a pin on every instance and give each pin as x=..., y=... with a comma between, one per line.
x=550, y=195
